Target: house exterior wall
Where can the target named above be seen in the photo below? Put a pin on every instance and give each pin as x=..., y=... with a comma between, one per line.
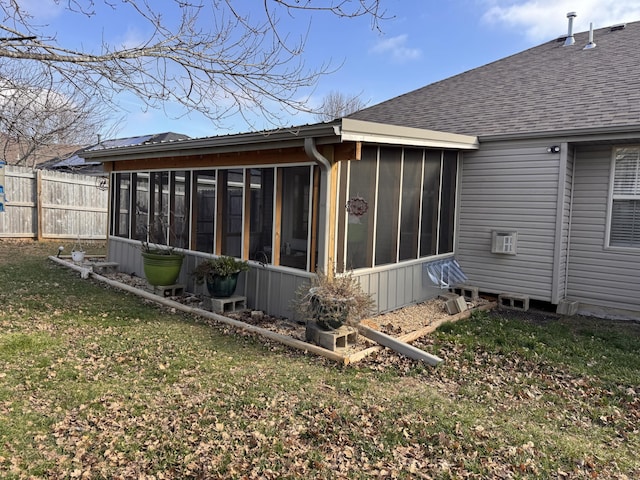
x=398, y=285
x=600, y=278
x=511, y=186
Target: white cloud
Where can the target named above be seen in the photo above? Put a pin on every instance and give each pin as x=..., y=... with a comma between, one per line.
x=397, y=48
x=42, y=9
x=132, y=38
x=547, y=19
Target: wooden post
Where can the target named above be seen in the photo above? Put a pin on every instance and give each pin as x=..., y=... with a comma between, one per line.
x=277, y=221
x=39, y=207
x=332, y=212
x=246, y=227
x=314, y=218
x=221, y=194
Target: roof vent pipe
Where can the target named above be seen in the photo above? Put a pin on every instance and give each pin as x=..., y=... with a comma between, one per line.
x=591, y=43
x=570, y=40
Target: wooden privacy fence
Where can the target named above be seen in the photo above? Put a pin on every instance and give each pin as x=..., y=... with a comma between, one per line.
x=43, y=204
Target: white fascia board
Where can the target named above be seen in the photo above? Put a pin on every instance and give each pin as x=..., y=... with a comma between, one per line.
x=371, y=132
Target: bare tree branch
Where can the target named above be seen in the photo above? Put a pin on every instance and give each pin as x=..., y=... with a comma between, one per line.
x=337, y=105
x=217, y=57
x=37, y=121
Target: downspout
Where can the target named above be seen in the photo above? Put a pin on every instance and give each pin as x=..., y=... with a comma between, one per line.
x=570, y=227
x=557, y=288
x=325, y=185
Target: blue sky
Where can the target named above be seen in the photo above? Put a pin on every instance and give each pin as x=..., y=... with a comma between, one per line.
x=425, y=41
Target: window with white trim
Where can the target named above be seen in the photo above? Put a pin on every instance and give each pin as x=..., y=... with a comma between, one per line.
x=625, y=206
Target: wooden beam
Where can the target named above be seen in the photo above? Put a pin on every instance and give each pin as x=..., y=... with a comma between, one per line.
x=246, y=229
x=340, y=212
x=332, y=212
x=314, y=218
x=217, y=160
x=221, y=192
x=284, y=339
x=277, y=221
x=345, y=151
x=413, y=336
x=399, y=346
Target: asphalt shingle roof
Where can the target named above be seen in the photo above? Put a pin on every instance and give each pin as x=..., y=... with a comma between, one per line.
x=547, y=88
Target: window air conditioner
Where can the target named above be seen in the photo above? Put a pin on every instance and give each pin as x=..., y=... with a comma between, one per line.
x=504, y=242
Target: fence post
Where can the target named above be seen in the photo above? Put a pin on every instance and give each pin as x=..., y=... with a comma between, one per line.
x=39, y=205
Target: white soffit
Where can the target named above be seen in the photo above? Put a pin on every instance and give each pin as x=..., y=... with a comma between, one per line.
x=371, y=132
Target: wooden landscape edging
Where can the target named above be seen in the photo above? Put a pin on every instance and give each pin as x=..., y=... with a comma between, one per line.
x=284, y=339
x=292, y=342
x=412, y=336
x=399, y=346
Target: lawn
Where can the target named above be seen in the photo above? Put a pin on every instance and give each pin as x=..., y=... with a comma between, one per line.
x=98, y=383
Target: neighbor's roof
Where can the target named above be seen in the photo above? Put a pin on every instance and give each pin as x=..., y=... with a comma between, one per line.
x=547, y=88
x=77, y=160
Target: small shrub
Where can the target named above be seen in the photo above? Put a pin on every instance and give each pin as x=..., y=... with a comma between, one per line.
x=333, y=300
x=222, y=266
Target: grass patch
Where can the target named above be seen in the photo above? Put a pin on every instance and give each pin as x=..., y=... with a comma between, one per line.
x=583, y=345
x=99, y=383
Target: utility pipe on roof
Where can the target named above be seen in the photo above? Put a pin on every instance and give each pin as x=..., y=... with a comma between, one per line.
x=570, y=40
x=325, y=183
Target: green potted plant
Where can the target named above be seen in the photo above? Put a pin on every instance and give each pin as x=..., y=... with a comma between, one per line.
x=161, y=263
x=333, y=301
x=220, y=275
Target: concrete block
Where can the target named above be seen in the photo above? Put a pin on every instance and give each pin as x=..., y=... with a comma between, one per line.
x=105, y=267
x=456, y=305
x=467, y=291
x=234, y=303
x=166, y=290
x=331, y=339
x=513, y=301
x=567, y=307
x=448, y=296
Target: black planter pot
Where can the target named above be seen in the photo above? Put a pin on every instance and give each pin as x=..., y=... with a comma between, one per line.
x=222, y=287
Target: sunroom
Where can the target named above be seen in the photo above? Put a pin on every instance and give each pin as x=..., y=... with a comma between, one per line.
x=376, y=200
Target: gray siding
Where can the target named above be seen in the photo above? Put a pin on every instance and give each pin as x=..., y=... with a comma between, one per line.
x=266, y=288
x=272, y=289
x=563, y=224
x=597, y=275
x=511, y=186
x=397, y=286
